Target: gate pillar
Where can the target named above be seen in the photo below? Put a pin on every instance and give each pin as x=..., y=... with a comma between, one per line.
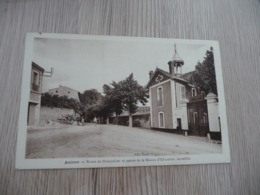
x=213, y=114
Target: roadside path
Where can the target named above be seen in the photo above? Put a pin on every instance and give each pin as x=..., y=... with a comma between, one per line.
x=110, y=140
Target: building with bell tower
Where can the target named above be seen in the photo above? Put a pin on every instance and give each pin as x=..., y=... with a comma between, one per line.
x=177, y=104
x=169, y=93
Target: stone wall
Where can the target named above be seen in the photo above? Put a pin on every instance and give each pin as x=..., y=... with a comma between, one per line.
x=53, y=114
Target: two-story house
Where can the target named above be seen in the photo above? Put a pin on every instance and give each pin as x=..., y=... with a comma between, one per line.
x=177, y=105
x=34, y=104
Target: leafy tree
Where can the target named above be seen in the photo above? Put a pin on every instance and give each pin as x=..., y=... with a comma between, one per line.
x=46, y=100
x=101, y=109
x=125, y=95
x=205, y=77
x=112, y=101
x=89, y=99
x=63, y=102
x=75, y=105
x=49, y=100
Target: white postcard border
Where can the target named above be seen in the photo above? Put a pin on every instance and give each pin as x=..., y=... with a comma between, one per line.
x=61, y=163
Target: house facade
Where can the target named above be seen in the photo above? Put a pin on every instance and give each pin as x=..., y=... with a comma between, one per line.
x=65, y=91
x=34, y=104
x=178, y=105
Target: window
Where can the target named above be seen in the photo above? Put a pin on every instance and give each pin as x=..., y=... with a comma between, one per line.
x=35, y=78
x=68, y=91
x=160, y=96
x=203, y=93
x=193, y=92
x=56, y=91
x=161, y=120
x=159, y=78
x=35, y=85
x=183, y=92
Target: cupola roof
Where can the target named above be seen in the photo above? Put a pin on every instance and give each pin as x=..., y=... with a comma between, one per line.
x=176, y=57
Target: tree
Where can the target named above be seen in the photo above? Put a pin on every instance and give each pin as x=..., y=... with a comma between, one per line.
x=125, y=95
x=112, y=101
x=49, y=100
x=205, y=77
x=75, y=105
x=102, y=109
x=46, y=100
x=89, y=99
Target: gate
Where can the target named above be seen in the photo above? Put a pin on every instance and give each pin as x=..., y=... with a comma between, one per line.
x=198, y=118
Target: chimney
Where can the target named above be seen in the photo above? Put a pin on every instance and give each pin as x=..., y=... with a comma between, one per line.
x=150, y=74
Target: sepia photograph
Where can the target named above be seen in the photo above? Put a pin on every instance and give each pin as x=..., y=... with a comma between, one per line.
x=103, y=101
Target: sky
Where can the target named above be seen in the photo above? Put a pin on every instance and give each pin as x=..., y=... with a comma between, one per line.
x=84, y=64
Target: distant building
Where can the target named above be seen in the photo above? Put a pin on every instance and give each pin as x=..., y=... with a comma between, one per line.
x=177, y=104
x=141, y=118
x=65, y=91
x=141, y=110
x=34, y=104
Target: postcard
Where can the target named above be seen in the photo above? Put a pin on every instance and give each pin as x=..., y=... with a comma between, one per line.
x=106, y=101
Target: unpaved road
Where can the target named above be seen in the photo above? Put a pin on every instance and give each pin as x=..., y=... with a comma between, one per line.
x=110, y=141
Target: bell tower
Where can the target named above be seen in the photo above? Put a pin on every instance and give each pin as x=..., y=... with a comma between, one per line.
x=175, y=66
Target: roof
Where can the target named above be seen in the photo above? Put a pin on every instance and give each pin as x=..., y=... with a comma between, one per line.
x=189, y=76
x=177, y=58
x=61, y=86
x=141, y=110
x=167, y=74
x=37, y=66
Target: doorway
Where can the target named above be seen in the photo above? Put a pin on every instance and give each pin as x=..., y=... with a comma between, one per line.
x=179, y=127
